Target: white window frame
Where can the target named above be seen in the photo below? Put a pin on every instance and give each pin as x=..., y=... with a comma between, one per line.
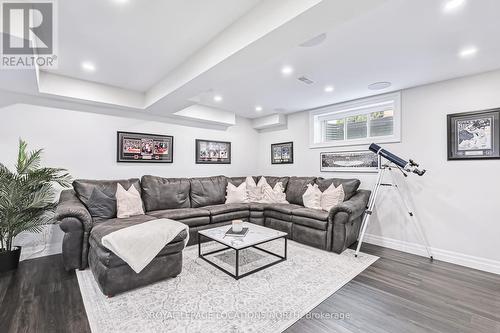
x=353, y=108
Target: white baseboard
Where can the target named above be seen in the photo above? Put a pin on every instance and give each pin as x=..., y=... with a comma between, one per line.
x=482, y=264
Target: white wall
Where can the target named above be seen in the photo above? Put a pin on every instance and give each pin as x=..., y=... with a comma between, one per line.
x=456, y=200
x=85, y=144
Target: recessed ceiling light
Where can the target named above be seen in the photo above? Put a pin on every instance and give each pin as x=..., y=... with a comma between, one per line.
x=121, y=1
x=452, y=5
x=379, y=85
x=218, y=98
x=258, y=108
x=468, y=52
x=329, y=88
x=88, y=66
x=287, y=70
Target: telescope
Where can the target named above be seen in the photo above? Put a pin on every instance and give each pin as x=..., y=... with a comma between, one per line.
x=402, y=165
x=410, y=166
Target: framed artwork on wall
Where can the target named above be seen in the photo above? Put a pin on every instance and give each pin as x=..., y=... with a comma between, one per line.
x=349, y=161
x=213, y=152
x=282, y=153
x=142, y=147
x=474, y=135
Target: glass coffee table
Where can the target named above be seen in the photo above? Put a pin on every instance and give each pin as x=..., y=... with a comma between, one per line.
x=257, y=235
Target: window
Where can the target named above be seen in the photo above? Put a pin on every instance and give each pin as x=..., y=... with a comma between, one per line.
x=374, y=119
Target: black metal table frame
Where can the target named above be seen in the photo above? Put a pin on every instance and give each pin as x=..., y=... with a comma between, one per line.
x=238, y=276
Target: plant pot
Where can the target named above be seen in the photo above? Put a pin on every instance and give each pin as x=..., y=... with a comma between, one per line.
x=9, y=260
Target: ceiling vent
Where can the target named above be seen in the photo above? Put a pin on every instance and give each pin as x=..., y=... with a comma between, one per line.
x=379, y=85
x=314, y=41
x=306, y=80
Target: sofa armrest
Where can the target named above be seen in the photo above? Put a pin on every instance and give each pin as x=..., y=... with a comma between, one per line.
x=354, y=207
x=71, y=207
x=76, y=222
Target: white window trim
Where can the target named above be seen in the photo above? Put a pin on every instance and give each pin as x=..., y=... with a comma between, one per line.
x=350, y=109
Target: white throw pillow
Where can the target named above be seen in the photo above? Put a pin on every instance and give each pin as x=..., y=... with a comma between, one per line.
x=332, y=196
x=236, y=194
x=312, y=197
x=254, y=192
x=128, y=203
x=262, y=182
x=273, y=195
x=250, y=182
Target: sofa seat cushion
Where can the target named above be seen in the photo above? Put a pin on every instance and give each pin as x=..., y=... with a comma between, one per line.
x=226, y=208
x=192, y=217
x=316, y=214
x=312, y=218
x=230, y=216
x=281, y=212
x=283, y=208
x=104, y=228
x=109, y=259
x=179, y=214
x=258, y=207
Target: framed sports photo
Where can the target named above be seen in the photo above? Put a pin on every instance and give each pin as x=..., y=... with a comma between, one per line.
x=282, y=153
x=474, y=135
x=349, y=161
x=213, y=152
x=142, y=147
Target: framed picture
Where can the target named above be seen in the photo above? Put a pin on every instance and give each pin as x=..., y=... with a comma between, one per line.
x=474, y=135
x=282, y=153
x=350, y=161
x=213, y=152
x=142, y=147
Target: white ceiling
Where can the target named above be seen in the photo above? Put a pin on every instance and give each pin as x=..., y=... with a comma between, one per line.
x=169, y=55
x=408, y=43
x=136, y=43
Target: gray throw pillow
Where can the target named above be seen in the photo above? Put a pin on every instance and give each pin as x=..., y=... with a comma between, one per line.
x=101, y=205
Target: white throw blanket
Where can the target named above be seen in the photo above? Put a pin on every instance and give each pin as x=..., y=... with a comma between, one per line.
x=138, y=245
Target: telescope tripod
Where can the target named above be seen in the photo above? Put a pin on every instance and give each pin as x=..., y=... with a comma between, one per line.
x=373, y=199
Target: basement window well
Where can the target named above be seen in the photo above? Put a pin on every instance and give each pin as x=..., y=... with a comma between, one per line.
x=373, y=119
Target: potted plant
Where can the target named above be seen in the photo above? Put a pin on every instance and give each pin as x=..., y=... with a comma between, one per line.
x=27, y=201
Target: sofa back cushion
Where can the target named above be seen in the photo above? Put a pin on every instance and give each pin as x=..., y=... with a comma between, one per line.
x=350, y=185
x=272, y=181
x=160, y=193
x=99, y=196
x=296, y=188
x=236, y=181
x=208, y=191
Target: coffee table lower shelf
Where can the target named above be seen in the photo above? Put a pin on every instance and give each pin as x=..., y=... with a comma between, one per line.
x=237, y=274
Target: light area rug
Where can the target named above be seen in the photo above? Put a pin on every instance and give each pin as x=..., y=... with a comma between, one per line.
x=204, y=299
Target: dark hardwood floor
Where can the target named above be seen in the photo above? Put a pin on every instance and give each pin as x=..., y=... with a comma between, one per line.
x=399, y=293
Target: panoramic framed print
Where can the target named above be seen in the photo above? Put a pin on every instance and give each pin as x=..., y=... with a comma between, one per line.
x=350, y=161
x=474, y=135
x=282, y=153
x=142, y=147
x=213, y=152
